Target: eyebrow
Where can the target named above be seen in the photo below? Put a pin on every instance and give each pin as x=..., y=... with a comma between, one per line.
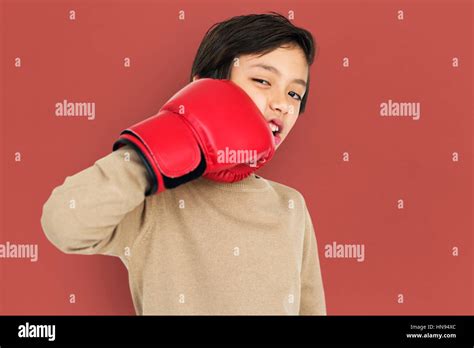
x=276, y=71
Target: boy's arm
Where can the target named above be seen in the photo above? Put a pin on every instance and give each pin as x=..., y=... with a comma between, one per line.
x=100, y=210
x=312, y=291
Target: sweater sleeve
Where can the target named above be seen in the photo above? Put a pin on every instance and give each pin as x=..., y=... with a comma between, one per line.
x=312, y=291
x=100, y=210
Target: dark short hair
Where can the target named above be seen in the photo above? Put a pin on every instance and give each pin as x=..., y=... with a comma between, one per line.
x=248, y=34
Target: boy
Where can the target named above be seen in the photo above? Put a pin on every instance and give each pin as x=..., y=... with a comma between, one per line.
x=199, y=236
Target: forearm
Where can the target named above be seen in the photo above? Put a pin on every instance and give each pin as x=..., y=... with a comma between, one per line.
x=81, y=215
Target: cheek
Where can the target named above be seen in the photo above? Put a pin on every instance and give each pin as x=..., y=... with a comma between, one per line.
x=257, y=96
x=290, y=122
x=260, y=100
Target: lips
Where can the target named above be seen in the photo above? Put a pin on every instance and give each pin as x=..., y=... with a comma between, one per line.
x=277, y=139
x=276, y=126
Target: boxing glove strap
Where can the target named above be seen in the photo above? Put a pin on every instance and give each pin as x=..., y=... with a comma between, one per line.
x=159, y=182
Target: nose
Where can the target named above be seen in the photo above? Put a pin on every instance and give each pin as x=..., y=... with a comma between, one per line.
x=278, y=104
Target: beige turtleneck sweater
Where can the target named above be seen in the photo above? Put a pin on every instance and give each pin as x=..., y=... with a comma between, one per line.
x=203, y=248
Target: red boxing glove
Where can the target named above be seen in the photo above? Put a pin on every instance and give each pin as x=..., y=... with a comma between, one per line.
x=210, y=127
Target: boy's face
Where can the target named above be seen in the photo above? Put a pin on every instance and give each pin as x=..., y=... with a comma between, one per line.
x=276, y=83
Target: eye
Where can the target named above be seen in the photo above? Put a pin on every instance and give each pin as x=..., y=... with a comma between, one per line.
x=298, y=97
x=260, y=81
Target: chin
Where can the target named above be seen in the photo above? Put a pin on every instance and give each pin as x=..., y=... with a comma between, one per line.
x=277, y=146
